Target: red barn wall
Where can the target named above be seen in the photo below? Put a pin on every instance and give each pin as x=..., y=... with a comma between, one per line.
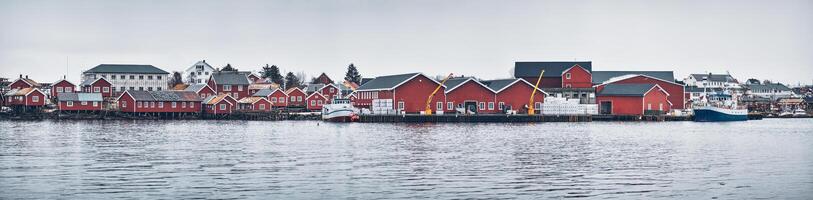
x=414, y=94
x=674, y=90
x=623, y=105
x=77, y=106
x=655, y=98
x=579, y=78
x=296, y=94
x=64, y=85
x=518, y=95
x=278, y=94
x=19, y=84
x=471, y=91
x=547, y=82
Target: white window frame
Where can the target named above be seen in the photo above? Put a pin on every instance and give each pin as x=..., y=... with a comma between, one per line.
x=95, y=104
x=401, y=105
x=105, y=89
x=84, y=103
x=313, y=102
x=59, y=89
x=161, y=104
x=222, y=106
x=281, y=99
x=501, y=105
x=174, y=104
x=449, y=105
x=481, y=105
x=183, y=104
x=299, y=98
x=439, y=105
x=70, y=104
x=191, y=104
x=262, y=106
x=537, y=105
x=239, y=88
x=97, y=89
x=35, y=99
x=490, y=105
x=567, y=76
x=226, y=87
x=273, y=99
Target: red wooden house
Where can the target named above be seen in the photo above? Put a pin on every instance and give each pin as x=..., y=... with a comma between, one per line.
x=99, y=85
x=632, y=99
x=408, y=92
x=79, y=101
x=470, y=96
x=557, y=74
x=515, y=94
x=23, y=82
x=202, y=90
x=352, y=97
x=330, y=91
x=322, y=79
x=227, y=82
x=254, y=87
x=577, y=77
x=219, y=105
x=254, y=78
x=315, y=101
x=662, y=79
x=62, y=86
x=167, y=101
x=296, y=97
x=275, y=96
x=25, y=98
x=259, y=104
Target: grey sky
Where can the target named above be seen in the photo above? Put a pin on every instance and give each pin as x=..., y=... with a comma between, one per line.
x=763, y=39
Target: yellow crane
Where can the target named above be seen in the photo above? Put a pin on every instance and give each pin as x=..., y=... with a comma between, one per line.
x=428, y=110
x=536, y=87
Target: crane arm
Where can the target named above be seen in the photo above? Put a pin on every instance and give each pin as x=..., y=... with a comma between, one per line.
x=536, y=87
x=428, y=110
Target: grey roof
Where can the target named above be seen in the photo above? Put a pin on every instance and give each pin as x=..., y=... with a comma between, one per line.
x=769, y=86
x=263, y=92
x=715, y=77
x=195, y=87
x=79, y=96
x=231, y=78
x=625, y=89
x=454, y=82
x=386, y=82
x=552, y=69
x=499, y=84
x=87, y=82
x=166, y=95
x=126, y=68
x=699, y=89
x=314, y=87
x=602, y=76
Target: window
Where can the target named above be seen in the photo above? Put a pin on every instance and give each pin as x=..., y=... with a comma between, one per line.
x=174, y=104
x=95, y=103
x=222, y=106
x=139, y=104
x=106, y=89
x=58, y=89
x=96, y=89
x=239, y=88
x=660, y=106
x=140, y=88
x=198, y=73
x=152, y=104
x=537, y=105
x=159, y=88
x=481, y=106
x=262, y=106
x=449, y=106
x=273, y=99
x=159, y=77
x=70, y=103
x=649, y=106
x=149, y=88
x=440, y=106
x=490, y=105
x=35, y=99
x=114, y=89
x=292, y=99
x=113, y=77
x=319, y=102
x=236, y=95
x=123, y=104
x=68, y=89
x=313, y=103
x=191, y=104
x=123, y=89
x=132, y=77
x=568, y=86
x=84, y=103
x=183, y=104
x=567, y=76
x=332, y=90
x=149, y=77
x=282, y=99
x=141, y=77
x=161, y=104
x=299, y=98
x=226, y=87
x=400, y=105
x=207, y=73
x=502, y=105
x=121, y=77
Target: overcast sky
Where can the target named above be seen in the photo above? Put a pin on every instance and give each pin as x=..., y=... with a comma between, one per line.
x=763, y=39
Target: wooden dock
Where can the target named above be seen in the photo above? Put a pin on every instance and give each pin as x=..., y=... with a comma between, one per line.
x=415, y=118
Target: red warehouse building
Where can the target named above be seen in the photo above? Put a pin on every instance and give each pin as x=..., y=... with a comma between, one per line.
x=62, y=86
x=557, y=74
x=202, y=90
x=275, y=96
x=470, y=96
x=632, y=99
x=259, y=104
x=79, y=101
x=515, y=94
x=296, y=97
x=219, y=105
x=330, y=91
x=315, y=101
x=664, y=79
x=166, y=101
x=99, y=85
x=408, y=92
x=25, y=98
x=233, y=83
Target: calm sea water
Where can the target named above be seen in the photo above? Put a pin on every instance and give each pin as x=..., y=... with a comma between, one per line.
x=770, y=159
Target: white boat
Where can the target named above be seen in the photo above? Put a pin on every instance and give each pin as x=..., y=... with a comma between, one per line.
x=340, y=110
x=719, y=107
x=799, y=113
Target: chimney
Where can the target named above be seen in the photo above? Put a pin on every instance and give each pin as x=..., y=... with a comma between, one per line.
x=21, y=75
x=26, y=76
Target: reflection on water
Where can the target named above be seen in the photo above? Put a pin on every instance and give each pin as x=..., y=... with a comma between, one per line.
x=312, y=160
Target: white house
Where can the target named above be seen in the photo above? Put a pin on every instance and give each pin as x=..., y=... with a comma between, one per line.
x=198, y=73
x=129, y=77
x=714, y=81
x=769, y=90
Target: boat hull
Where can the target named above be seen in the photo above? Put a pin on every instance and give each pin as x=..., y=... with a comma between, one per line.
x=711, y=114
x=340, y=115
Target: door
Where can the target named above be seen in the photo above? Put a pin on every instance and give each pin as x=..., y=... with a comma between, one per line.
x=606, y=108
x=471, y=107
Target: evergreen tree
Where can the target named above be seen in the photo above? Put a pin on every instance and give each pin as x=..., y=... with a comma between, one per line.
x=352, y=74
x=176, y=79
x=273, y=74
x=228, y=67
x=291, y=80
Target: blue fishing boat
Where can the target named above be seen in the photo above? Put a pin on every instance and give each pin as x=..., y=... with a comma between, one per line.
x=720, y=106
